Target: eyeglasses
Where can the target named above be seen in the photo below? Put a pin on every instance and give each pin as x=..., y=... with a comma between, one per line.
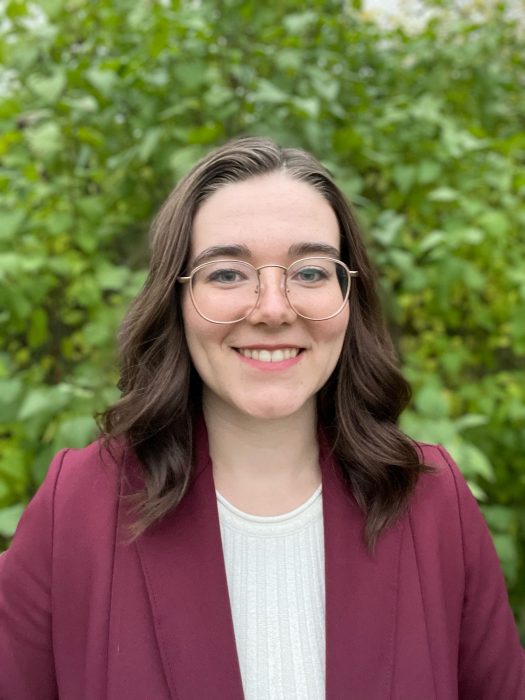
x=227, y=291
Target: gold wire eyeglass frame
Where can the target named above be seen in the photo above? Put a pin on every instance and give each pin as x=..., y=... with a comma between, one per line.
x=189, y=280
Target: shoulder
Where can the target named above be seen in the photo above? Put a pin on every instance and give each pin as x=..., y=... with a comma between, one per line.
x=82, y=488
x=443, y=506
x=442, y=500
x=82, y=500
x=95, y=467
x=444, y=482
x=437, y=456
x=75, y=505
x=461, y=579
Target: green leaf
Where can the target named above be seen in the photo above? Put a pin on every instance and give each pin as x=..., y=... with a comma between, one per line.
x=191, y=75
x=112, y=277
x=402, y=260
x=471, y=421
x=428, y=171
x=501, y=518
x=52, y=8
x=102, y=79
x=387, y=227
x=44, y=401
x=49, y=88
x=38, y=330
x=426, y=429
x=310, y=106
x=205, y=134
x=494, y=222
x=477, y=491
x=75, y=432
x=443, y=194
x=45, y=139
x=86, y=104
x=517, y=330
x=298, y=22
x=10, y=390
x=431, y=400
x=9, y=518
x=13, y=470
x=508, y=554
x=473, y=462
x=433, y=240
x=149, y=143
x=183, y=158
x=10, y=222
x=267, y=92
x=405, y=176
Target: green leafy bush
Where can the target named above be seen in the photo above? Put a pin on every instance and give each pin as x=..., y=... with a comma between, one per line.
x=106, y=104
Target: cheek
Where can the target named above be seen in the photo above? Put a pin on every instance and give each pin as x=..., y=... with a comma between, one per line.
x=333, y=334
x=202, y=337
x=192, y=329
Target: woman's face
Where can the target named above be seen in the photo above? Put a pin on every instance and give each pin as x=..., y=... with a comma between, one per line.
x=271, y=217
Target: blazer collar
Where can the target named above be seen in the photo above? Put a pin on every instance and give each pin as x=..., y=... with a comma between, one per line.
x=361, y=595
x=184, y=570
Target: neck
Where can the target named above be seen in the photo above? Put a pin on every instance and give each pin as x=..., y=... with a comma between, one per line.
x=263, y=466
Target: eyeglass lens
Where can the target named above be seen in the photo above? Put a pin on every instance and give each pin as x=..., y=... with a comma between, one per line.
x=227, y=291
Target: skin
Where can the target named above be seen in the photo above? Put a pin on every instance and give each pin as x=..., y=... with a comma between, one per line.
x=262, y=424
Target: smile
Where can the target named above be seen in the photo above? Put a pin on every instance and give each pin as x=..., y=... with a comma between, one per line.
x=269, y=355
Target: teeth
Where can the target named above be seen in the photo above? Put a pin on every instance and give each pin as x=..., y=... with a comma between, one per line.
x=270, y=356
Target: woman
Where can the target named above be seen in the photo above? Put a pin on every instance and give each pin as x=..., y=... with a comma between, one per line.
x=287, y=540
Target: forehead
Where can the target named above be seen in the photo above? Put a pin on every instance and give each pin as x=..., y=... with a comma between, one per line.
x=267, y=214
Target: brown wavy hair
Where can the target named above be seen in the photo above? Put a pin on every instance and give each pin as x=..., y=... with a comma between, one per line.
x=358, y=408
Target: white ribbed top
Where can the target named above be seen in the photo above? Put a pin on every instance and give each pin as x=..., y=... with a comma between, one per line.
x=275, y=572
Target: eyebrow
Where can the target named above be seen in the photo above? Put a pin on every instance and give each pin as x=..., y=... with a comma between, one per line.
x=242, y=251
x=298, y=249
x=222, y=251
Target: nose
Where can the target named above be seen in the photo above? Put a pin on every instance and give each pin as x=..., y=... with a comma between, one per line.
x=272, y=306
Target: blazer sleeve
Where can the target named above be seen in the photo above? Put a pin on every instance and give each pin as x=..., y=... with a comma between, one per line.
x=26, y=650
x=491, y=660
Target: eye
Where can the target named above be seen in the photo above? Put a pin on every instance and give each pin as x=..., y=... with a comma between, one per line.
x=226, y=276
x=310, y=274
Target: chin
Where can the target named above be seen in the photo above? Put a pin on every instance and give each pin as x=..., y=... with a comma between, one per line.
x=273, y=410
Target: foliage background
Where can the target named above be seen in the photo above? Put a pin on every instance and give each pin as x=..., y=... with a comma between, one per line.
x=105, y=105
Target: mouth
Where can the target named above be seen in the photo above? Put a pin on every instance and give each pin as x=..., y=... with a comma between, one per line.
x=267, y=355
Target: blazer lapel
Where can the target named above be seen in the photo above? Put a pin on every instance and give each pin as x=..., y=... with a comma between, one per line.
x=361, y=596
x=183, y=566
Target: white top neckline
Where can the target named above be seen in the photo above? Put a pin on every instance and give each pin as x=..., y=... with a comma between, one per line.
x=269, y=518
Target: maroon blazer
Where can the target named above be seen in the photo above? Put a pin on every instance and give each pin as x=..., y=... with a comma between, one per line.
x=87, y=614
